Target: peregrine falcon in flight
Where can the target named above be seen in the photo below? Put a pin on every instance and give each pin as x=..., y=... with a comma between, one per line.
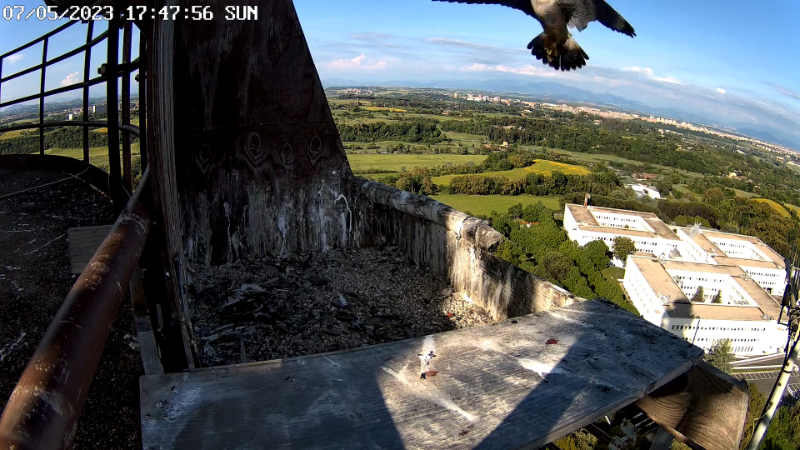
x=555, y=45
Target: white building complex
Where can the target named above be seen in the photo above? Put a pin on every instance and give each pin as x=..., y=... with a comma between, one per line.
x=671, y=263
x=645, y=190
x=749, y=253
x=585, y=224
x=746, y=315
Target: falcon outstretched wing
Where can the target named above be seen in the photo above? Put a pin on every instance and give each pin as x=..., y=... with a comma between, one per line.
x=585, y=11
x=522, y=5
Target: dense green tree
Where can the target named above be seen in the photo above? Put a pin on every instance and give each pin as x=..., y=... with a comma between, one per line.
x=698, y=295
x=754, y=408
x=515, y=212
x=784, y=430
x=686, y=221
x=717, y=297
x=597, y=252
x=714, y=196
x=557, y=265
x=623, y=246
x=720, y=355
x=580, y=440
x=536, y=213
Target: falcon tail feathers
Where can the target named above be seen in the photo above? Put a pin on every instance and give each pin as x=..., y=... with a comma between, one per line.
x=566, y=56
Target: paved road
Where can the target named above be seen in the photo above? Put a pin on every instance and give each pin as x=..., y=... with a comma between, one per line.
x=765, y=380
x=775, y=360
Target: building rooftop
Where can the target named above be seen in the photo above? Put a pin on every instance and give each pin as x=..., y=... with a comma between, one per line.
x=657, y=276
x=704, y=240
x=587, y=222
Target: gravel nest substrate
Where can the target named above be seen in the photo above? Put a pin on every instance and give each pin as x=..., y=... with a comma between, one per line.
x=319, y=302
x=34, y=280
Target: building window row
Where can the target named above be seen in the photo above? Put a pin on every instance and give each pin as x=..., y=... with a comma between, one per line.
x=692, y=327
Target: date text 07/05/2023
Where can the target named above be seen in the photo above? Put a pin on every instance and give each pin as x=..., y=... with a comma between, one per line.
x=106, y=12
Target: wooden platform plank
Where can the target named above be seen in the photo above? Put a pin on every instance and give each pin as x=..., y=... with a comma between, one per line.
x=83, y=242
x=148, y=349
x=520, y=382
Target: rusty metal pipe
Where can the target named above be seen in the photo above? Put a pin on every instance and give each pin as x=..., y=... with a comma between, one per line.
x=44, y=408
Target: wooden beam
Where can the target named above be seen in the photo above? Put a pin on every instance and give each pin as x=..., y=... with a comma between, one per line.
x=177, y=330
x=259, y=166
x=704, y=408
x=522, y=382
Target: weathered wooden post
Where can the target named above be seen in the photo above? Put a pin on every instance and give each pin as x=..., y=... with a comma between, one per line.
x=246, y=156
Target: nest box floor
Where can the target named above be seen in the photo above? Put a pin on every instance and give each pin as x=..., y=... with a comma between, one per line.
x=319, y=302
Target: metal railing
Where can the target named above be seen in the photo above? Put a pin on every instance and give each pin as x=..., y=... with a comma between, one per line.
x=44, y=409
x=120, y=169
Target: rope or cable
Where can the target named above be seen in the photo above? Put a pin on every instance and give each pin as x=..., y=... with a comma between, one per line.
x=3, y=197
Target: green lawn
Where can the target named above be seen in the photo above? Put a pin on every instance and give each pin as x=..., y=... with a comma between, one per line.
x=541, y=167
x=614, y=273
x=465, y=137
x=744, y=194
x=97, y=155
x=15, y=133
x=485, y=204
x=370, y=163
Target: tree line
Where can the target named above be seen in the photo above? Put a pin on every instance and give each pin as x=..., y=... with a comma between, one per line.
x=556, y=183
x=420, y=130
x=545, y=250
x=64, y=137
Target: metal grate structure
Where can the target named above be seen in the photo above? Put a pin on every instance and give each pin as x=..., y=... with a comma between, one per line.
x=120, y=168
x=44, y=409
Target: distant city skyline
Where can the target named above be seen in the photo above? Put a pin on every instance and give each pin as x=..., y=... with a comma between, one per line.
x=699, y=57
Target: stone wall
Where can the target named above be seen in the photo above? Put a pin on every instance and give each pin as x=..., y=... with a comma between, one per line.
x=452, y=245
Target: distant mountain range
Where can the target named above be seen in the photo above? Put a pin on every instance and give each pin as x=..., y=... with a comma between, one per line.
x=551, y=92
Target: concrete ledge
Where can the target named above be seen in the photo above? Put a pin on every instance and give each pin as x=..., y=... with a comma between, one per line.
x=452, y=245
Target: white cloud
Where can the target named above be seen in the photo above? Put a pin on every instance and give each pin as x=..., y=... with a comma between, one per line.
x=14, y=58
x=670, y=80
x=356, y=63
x=524, y=70
x=721, y=91
x=648, y=72
x=70, y=79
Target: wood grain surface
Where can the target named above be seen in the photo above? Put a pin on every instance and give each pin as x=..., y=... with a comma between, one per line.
x=520, y=382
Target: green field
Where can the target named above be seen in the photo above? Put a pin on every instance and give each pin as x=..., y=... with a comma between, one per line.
x=744, y=194
x=485, y=204
x=380, y=108
x=614, y=273
x=775, y=205
x=97, y=155
x=395, y=163
x=541, y=167
x=465, y=137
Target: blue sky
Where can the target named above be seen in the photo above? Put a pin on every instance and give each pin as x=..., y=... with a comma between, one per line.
x=15, y=33
x=727, y=60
